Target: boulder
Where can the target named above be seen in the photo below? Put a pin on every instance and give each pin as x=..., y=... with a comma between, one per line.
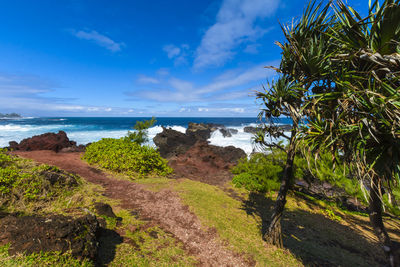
x=34, y=234
x=104, y=209
x=59, y=177
x=228, y=132
x=47, y=141
x=200, y=131
x=172, y=143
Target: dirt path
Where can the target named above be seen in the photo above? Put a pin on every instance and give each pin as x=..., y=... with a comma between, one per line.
x=164, y=208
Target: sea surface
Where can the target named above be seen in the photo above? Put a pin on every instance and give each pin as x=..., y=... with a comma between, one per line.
x=84, y=130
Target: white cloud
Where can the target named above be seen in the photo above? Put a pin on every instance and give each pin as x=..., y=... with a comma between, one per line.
x=252, y=49
x=232, y=84
x=178, y=54
x=221, y=110
x=163, y=72
x=235, y=24
x=146, y=79
x=172, y=50
x=26, y=94
x=98, y=39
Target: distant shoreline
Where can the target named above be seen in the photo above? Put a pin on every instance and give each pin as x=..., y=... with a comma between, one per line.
x=10, y=116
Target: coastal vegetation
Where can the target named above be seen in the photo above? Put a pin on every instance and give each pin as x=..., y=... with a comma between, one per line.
x=339, y=82
x=128, y=155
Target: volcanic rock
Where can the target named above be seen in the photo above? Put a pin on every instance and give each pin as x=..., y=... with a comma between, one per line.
x=228, y=132
x=207, y=163
x=47, y=141
x=172, y=143
x=59, y=177
x=104, y=209
x=34, y=234
x=200, y=131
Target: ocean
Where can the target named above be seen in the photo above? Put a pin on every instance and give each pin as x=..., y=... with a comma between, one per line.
x=84, y=130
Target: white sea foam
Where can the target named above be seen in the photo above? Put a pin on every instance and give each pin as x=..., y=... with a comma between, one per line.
x=241, y=140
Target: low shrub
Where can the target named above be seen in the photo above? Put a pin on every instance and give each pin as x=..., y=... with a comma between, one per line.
x=260, y=173
x=128, y=155
x=123, y=156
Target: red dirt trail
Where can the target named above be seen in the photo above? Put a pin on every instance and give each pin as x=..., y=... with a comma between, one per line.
x=165, y=208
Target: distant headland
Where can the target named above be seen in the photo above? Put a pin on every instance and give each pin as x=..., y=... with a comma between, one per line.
x=10, y=116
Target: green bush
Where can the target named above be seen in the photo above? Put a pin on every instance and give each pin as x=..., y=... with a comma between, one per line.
x=127, y=155
x=123, y=156
x=260, y=173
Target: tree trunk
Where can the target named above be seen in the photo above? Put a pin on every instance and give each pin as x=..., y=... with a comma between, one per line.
x=274, y=233
x=375, y=216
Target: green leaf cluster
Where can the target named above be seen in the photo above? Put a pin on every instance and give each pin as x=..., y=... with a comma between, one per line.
x=123, y=156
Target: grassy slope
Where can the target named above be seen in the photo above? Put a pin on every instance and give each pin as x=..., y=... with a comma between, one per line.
x=315, y=232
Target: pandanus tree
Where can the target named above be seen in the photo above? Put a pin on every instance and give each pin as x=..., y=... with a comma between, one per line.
x=302, y=51
x=355, y=109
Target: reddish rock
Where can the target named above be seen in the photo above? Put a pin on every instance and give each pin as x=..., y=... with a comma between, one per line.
x=192, y=157
x=47, y=141
x=207, y=163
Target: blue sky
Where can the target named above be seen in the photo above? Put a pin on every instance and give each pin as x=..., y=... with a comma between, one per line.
x=139, y=58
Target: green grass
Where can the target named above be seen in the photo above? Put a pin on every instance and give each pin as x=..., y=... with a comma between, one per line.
x=39, y=259
x=225, y=214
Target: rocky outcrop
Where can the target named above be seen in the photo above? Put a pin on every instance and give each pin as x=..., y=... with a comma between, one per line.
x=203, y=131
x=200, y=131
x=172, y=143
x=207, y=163
x=48, y=141
x=192, y=157
x=34, y=234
